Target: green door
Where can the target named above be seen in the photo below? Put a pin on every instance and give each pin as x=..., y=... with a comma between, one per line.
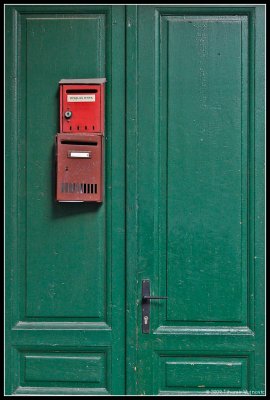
x=198, y=198
x=183, y=205
x=65, y=267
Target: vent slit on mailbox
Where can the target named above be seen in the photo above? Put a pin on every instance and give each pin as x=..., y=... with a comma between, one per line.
x=74, y=187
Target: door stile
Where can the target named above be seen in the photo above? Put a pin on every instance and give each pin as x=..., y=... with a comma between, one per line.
x=132, y=303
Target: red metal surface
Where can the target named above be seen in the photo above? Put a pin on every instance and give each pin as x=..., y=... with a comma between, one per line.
x=86, y=103
x=79, y=179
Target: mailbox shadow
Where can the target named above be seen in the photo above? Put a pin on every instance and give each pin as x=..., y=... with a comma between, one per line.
x=64, y=210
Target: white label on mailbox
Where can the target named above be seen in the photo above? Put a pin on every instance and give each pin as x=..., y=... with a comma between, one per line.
x=76, y=154
x=73, y=98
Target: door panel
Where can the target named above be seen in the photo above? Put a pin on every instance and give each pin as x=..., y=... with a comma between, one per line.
x=65, y=334
x=189, y=373
x=74, y=276
x=195, y=200
x=204, y=171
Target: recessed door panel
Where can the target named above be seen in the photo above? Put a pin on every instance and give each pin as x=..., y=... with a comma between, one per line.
x=204, y=73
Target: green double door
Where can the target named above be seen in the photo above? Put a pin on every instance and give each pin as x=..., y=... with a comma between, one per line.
x=183, y=205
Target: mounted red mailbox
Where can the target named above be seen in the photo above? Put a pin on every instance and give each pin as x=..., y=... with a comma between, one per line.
x=79, y=145
x=79, y=167
x=82, y=105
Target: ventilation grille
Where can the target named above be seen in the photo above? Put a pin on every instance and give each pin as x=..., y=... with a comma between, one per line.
x=85, y=188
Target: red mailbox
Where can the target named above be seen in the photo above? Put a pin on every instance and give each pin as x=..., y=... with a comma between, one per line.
x=79, y=145
x=82, y=105
x=79, y=167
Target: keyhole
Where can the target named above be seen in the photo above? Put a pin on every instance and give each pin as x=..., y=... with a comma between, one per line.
x=145, y=320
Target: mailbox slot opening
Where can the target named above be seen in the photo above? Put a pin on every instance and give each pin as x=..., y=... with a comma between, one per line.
x=81, y=91
x=77, y=142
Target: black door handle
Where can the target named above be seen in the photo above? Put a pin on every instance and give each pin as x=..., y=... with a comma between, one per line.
x=146, y=304
x=144, y=298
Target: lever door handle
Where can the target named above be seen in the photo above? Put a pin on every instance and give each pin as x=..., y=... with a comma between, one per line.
x=146, y=304
x=144, y=298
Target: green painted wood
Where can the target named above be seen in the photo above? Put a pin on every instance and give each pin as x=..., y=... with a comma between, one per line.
x=10, y=215
x=194, y=373
x=259, y=304
x=204, y=146
x=132, y=284
x=184, y=176
x=196, y=196
x=64, y=279
x=64, y=368
x=74, y=276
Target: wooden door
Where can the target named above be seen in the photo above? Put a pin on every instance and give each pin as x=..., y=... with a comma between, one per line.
x=65, y=276
x=183, y=203
x=196, y=182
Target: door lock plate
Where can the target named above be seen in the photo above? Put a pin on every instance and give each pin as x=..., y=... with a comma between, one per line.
x=145, y=306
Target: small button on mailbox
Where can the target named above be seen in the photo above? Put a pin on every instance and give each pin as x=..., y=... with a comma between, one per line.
x=79, y=145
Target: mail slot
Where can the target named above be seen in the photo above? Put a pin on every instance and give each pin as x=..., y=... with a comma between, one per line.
x=82, y=105
x=79, y=160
